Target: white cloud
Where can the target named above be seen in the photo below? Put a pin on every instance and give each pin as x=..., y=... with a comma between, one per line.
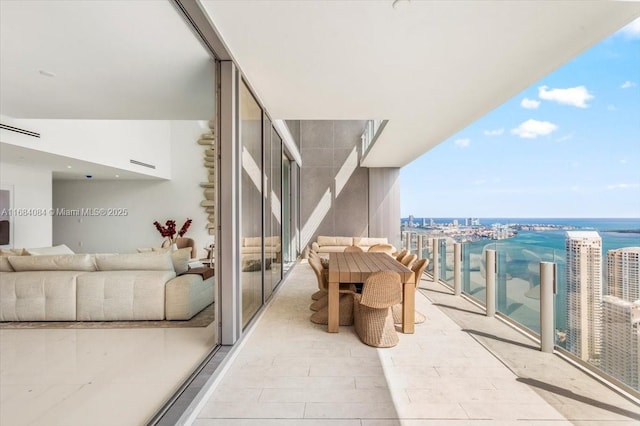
x=531, y=129
x=611, y=108
x=463, y=143
x=623, y=186
x=574, y=96
x=494, y=132
x=631, y=30
x=628, y=84
x=623, y=161
x=529, y=103
x=565, y=137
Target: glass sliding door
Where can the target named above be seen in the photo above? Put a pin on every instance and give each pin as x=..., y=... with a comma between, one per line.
x=275, y=238
x=288, y=225
x=251, y=261
x=268, y=207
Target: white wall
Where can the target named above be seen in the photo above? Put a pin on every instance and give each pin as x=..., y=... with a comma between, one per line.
x=145, y=201
x=32, y=191
x=107, y=142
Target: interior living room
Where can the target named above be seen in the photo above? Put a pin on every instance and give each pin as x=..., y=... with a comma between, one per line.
x=170, y=169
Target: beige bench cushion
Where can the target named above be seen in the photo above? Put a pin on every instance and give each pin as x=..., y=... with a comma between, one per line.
x=38, y=295
x=135, y=262
x=122, y=295
x=334, y=241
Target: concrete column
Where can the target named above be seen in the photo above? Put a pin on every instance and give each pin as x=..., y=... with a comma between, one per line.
x=547, y=290
x=457, y=269
x=491, y=282
x=384, y=204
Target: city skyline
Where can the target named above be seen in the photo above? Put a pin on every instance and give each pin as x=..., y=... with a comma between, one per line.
x=567, y=146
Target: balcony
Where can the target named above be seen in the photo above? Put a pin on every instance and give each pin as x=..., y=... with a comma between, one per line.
x=460, y=367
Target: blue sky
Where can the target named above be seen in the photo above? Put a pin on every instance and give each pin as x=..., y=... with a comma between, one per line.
x=568, y=146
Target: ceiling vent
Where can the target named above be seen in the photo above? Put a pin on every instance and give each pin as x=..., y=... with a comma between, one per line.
x=140, y=163
x=19, y=130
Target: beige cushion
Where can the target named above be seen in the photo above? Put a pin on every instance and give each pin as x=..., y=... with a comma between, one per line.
x=344, y=241
x=59, y=249
x=272, y=241
x=145, y=249
x=180, y=259
x=252, y=242
x=122, y=295
x=62, y=262
x=14, y=252
x=38, y=295
x=5, y=266
x=326, y=241
x=135, y=262
x=367, y=241
x=187, y=295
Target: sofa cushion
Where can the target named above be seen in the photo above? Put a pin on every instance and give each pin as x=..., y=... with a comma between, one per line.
x=5, y=266
x=187, y=295
x=135, y=262
x=334, y=241
x=180, y=259
x=38, y=295
x=368, y=242
x=56, y=262
x=252, y=242
x=122, y=295
x=59, y=249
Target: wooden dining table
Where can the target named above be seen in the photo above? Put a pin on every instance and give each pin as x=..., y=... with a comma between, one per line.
x=356, y=268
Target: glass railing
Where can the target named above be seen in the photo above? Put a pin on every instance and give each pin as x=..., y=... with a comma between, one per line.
x=590, y=321
x=371, y=130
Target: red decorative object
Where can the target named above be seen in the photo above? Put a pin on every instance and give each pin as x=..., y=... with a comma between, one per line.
x=169, y=230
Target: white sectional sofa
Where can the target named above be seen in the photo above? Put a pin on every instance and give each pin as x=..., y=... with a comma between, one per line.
x=325, y=245
x=102, y=287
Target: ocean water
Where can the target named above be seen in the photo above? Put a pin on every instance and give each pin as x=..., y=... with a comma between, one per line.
x=519, y=256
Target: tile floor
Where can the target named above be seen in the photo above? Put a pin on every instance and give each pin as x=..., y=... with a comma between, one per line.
x=292, y=372
x=95, y=377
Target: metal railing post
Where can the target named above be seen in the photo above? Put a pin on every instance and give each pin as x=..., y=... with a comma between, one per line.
x=491, y=282
x=420, y=240
x=457, y=268
x=436, y=260
x=547, y=290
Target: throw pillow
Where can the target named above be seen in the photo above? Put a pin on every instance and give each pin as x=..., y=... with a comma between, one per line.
x=180, y=259
x=59, y=249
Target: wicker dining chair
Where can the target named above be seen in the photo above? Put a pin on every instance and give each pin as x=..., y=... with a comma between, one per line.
x=402, y=254
x=408, y=260
x=372, y=309
x=381, y=248
x=321, y=316
x=353, y=249
x=318, y=294
x=418, y=269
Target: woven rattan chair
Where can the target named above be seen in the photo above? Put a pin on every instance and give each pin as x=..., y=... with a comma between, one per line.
x=318, y=294
x=353, y=249
x=321, y=316
x=402, y=254
x=372, y=309
x=381, y=248
x=408, y=260
x=417, y=268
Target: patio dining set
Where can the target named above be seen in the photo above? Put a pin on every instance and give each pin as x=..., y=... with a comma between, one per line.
x=372, y=290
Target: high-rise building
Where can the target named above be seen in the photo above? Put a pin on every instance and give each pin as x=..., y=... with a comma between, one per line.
x=623, y=273
x=621, y=340
x=584, y=293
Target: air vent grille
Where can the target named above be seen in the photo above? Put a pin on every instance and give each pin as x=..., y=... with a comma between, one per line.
x=140, y=163
x=19, y=130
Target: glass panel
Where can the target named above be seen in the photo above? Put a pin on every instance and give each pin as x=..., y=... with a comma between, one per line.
x=268, y=199
x=288, y=225
x=275, y=213
x=251, y=251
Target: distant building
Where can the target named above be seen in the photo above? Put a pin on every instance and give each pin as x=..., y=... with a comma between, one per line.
x=424, y=222
x=431, y=222
x=584, y=293
x=455, y=222
x=621, y=340
x=623, y=273
x=411, y=221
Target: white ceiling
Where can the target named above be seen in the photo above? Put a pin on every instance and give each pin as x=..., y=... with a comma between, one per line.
x=133, y=60
x=429, y=67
